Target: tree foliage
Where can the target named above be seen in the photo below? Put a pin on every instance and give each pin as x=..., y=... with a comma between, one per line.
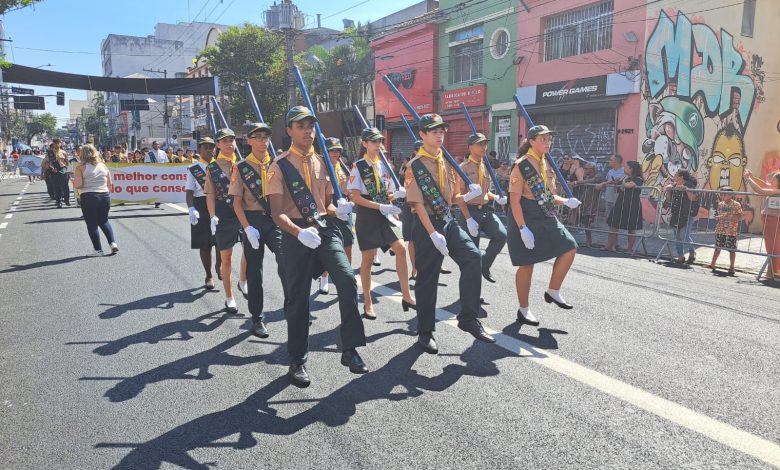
x=11, y=5
x=250, y=53
x=44, y=125
x=96, y=121
x=343, y=75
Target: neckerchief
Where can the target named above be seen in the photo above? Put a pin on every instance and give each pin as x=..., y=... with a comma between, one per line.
x=541, y=192
x=231, y=158
x=439, y=159
x=221, y=182
x=263, y=167
x=199, y=174
x=300, y=193
x=480, y=168
x=374, y=185
x=254, y=183
x=306, y=163
x=432, y=194
x=542, y=165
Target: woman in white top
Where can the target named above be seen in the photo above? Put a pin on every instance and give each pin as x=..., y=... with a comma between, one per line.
x=93, y=179
x=376, y=225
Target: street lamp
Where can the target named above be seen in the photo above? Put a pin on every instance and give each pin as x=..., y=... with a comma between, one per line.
x=45, y=65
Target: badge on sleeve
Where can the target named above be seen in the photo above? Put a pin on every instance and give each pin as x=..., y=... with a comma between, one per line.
x=515, y=179
x=351, y=179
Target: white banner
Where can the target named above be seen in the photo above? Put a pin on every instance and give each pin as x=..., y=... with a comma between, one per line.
x=148, y=182
x=30, y=165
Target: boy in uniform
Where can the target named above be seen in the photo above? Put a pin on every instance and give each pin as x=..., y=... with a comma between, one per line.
x=248, y=186
x=430, y=191
x=302, y=206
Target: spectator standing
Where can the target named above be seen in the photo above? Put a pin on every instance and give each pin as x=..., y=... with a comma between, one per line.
x=93, y=179
x=613, y=178
x=679, y=199
x=156, y=155
x=58, y=160
x=770, y=216
x=626, y=214
x=729, y=215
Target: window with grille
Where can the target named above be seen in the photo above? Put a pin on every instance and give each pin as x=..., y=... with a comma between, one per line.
x=579, y=31
x=466, y=53
x=499, y=43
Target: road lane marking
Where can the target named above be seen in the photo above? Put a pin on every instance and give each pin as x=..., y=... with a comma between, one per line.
x=3, y=225
x=726, y=434
x=8, y=216
x=16, y=203
x=177, y=207
x=19, y=198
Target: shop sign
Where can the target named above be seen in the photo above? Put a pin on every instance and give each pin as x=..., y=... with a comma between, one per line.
x=578, y=89
x=472, y=96
x=403, y=79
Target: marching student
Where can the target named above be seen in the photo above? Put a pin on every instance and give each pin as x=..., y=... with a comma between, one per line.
x=249, y=188
x=477, y=214
x=301, y=204
x=223, y=221
x=536, y=234
x=335, y=150
x=373, y=191
x=200, y=231
x=430, y=191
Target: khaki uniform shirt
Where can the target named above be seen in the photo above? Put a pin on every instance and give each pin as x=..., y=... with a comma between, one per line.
x=517, y=183
x=472, y=171
x=227, y=168
x=343, y=178
x=413, y=192
x=238, y=189
x=320, y=181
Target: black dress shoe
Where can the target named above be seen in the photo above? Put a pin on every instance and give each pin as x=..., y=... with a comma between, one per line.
x=367, y=316
x=259, y=329
x=548, y=298
x=488, y=276
x=298, y=375
x=482, y=301
x=351, y=359
x=428, y=343
x=476, y=330
x=521, y=319
x=445, y=271
x=406, y=306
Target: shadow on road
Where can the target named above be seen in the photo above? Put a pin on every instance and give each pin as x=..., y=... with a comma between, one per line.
x=545, y=340
x=40, y=264
x=258, y=414
x=163, y=301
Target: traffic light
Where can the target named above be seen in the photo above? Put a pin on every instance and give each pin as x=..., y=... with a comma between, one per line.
x=60, y=98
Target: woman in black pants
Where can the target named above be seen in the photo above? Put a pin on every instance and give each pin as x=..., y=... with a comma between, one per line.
x=93, y=179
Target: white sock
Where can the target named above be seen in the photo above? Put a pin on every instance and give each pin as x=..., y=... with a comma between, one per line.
x=556, y=295
x=323, y=282
x=229, y=300
x=526, y=312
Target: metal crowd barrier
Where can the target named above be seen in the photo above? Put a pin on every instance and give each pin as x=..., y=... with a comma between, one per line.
x=752, y=237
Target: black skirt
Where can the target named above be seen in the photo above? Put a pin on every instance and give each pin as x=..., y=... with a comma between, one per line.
x=373, y=230
x=201, y=238
x=551, y=239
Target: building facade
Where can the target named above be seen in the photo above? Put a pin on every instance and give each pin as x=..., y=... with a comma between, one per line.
x=478, y=50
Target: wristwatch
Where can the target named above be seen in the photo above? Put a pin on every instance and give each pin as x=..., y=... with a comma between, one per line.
x=521, y=227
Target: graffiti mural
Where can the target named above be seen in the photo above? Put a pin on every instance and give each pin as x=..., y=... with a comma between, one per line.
x=698, y=82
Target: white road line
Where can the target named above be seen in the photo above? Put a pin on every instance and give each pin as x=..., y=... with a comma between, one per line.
x=13, y=208
x=19, y=198
x=8, y=216
x=3, y=225
x=16, y=203
x=178, y=207
x=726, y=434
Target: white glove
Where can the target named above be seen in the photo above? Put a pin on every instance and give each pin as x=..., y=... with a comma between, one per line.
x=400, y=194
x=473, y=227
x=343, y=209
x=440, y=243
x=194, y=216
x=501, y=201
x=475, y=190
x=214, y=222
x=309, y=237
x=528, y=237
x=572, y=203
x=253, y=236
x=389, y=209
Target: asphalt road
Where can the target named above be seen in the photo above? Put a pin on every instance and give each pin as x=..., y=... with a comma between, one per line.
x=126, y=362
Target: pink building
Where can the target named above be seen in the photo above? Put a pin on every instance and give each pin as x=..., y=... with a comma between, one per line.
x=579, y=73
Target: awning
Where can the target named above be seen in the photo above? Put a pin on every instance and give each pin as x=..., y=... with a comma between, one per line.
x=143, y=86
x=611, y=102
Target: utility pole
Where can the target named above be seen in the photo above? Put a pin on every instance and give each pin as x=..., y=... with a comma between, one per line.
x=165, y=114
x=290, y=40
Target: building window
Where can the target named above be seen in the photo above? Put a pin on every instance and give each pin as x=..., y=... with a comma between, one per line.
x=466, y=53
x=499, y=43
x=578, y=31
x=748, y=17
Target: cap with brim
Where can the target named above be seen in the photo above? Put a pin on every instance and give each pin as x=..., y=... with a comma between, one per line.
x=206, y=141
x=726, y=188
x=258, y=127
x=225, y=132
x=538, y=130
x=299, y=113
x=372, y=134
x=332, y=143
x=432, y=121
x=477, y=138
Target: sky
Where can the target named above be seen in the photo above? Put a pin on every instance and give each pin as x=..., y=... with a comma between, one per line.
x=40, y=34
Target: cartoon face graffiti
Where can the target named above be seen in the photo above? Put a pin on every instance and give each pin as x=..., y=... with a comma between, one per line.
x=727, y=162
x=675, y=130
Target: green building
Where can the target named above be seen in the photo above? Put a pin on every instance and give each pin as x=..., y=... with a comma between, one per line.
x=478, y=50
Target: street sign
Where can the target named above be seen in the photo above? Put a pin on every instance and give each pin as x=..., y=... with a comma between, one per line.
x=133, y=105
x=29, y=102
x=22, y=91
